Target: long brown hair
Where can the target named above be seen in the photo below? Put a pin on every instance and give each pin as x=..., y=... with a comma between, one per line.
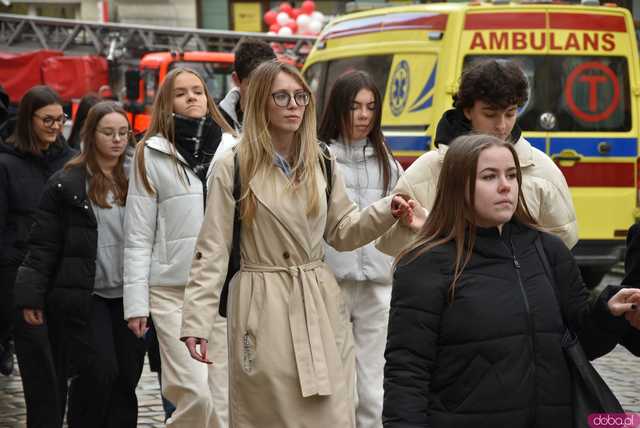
x=256, y=150
x=99, y=184
x=453, y=216
x=337, y=118
x=162, y=121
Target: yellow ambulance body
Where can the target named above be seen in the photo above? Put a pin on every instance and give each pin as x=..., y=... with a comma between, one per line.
x=582, y=66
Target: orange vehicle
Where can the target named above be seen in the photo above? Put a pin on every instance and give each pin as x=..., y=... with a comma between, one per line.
x=214, y=67
x=142, y=54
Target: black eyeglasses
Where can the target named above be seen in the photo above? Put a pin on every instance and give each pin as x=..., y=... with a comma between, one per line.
x=282, y=98
x=49, y=121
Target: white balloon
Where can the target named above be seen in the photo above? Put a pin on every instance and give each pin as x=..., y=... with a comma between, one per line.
x=285, y=31
x=303, y=22
x=315, y=26
x=282, y=18
x=318, y=16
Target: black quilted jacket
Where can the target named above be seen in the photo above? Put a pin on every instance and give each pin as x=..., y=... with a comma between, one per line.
x=60, y=266
x=492, y=358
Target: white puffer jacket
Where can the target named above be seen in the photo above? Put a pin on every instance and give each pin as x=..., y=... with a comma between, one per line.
x=161, y=229
x=364, y=182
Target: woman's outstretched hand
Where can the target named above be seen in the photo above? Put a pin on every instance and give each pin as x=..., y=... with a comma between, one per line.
x=633, y=316
x=201, y=356
x=409, y=211
x=626, y=302
x=33, y=316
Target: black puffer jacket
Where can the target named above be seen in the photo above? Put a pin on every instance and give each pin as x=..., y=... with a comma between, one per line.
x=22, y=180
x=493, y=357
x=60, y=266
x=454, y=124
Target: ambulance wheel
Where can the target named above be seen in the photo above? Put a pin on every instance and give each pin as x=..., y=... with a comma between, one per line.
x=592, y=276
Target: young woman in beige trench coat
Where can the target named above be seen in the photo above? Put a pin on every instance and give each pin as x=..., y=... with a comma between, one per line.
x=291, y=356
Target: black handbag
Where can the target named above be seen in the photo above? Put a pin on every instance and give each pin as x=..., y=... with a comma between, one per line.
x=590, y=393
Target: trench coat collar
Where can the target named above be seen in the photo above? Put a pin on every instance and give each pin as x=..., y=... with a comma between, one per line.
x=269, y=185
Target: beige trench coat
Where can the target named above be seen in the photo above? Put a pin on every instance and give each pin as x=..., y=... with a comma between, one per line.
x=291, y=356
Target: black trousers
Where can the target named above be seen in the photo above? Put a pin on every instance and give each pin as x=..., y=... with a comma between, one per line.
x=40, y=357
x=107, y=360
x=7, y=310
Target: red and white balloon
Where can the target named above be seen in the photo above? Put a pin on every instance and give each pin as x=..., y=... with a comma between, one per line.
x=287, y=20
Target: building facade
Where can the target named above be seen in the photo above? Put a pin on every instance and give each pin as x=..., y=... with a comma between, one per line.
x=239, y=15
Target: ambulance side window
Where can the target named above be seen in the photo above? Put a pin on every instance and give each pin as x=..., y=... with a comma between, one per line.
x=593, y=93
x=315, y=76
x=582, y=93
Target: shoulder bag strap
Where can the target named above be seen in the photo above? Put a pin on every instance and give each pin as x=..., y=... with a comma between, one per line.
x=328, y=169
x=549, y=273
x=234, y=256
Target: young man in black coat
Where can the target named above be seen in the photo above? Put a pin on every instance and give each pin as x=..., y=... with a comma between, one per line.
x=249, y=54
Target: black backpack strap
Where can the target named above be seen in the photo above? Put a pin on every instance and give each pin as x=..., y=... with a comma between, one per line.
x=328, y=168
x=234, y=255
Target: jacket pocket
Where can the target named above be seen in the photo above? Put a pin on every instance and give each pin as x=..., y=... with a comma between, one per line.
x=465, y=383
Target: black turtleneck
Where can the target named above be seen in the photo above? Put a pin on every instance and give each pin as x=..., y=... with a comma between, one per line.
x=454, y=123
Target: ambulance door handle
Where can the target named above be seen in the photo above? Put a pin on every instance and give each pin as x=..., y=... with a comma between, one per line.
x=604, y=147
x=568, y=158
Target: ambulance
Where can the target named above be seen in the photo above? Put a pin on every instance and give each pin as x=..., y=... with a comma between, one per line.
x=582, y=65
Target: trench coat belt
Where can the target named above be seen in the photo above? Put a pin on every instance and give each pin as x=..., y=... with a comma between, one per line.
x=304, y=322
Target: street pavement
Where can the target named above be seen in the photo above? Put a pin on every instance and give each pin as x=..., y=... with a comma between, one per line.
x=620, y=369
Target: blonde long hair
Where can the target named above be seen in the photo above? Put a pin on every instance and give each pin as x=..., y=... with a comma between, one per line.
x=99, y=183
x=162, y=122
x=453, y=217
x=256, y=151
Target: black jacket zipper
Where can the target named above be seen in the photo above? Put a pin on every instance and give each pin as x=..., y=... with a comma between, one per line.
x=532, y=342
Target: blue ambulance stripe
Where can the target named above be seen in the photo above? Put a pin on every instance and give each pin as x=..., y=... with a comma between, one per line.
x=424, y=106
x=409, y=143
x=620, y=147
x=538, y=143
x=431, y=82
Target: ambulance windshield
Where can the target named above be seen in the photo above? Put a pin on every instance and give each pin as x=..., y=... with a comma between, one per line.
x=581, y=93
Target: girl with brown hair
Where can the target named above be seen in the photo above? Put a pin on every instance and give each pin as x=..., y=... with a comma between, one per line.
x=351, y=128
x=291, y=360
x=165, y=208
x=29, y=157
x=73, y=274
x=475, y=328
